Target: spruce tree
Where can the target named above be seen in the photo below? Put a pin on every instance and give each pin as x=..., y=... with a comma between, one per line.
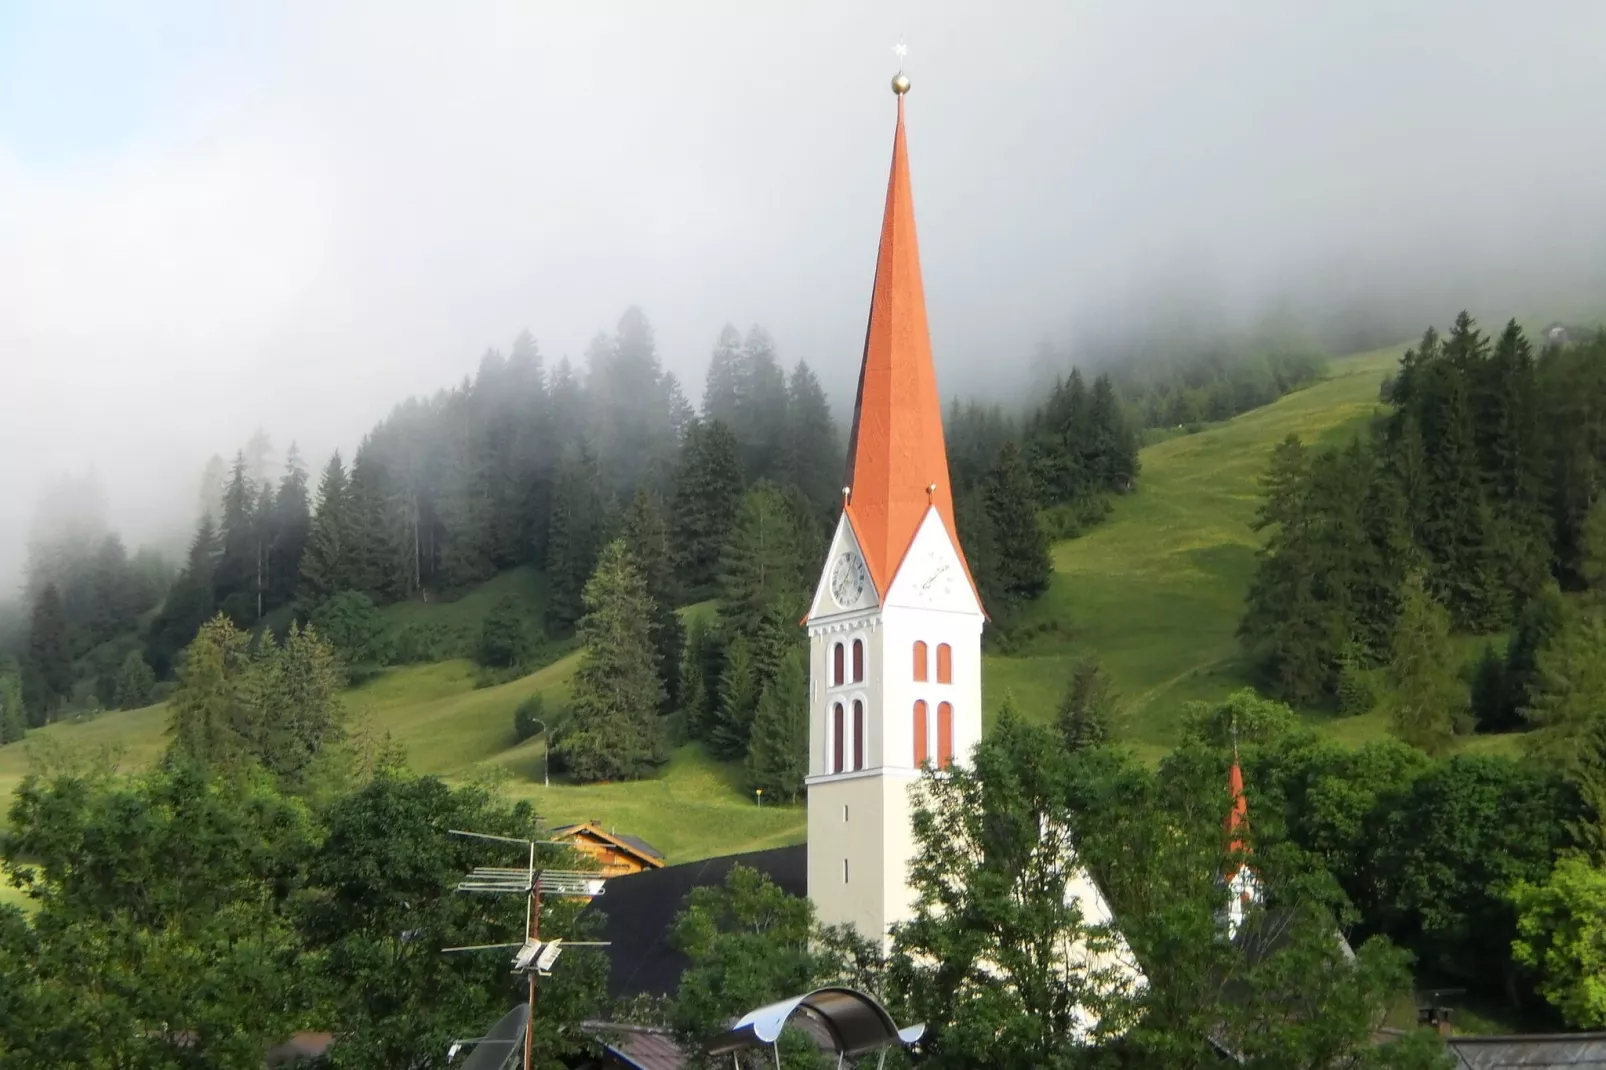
x=813, y=460
x=981, y=551
x=1023, y=565
x=778, y=750
x=767, y=561
x=1541, y=620
x=692, y=690
x=49, y=656
x=292, y=527
x=13, y=718
x=647, y=538
x=574, y=538
x=1087, y=710
x=615, y=732
x=708, y=487
x=761, y=425
x=1428, y=703
x=725, y=385
x=325, y=565
x=205, y=718
x=739, y=689
x=1568, y=692
x=237, y=565
x=378, y=558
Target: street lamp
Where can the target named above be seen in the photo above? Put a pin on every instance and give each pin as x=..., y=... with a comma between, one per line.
x=759, y=794
x=546, y=754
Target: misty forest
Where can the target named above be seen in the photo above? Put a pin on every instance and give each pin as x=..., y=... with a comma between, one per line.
x=1273, y=394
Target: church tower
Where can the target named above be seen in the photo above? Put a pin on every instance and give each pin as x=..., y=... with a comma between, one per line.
x=895, y=625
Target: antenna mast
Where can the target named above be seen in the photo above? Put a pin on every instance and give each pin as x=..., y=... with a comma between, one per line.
x=534, y=957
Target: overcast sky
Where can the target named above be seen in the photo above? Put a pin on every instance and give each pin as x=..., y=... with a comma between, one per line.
x=219, y=216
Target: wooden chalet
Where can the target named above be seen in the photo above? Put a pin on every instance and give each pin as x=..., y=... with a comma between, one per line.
x=616, y=855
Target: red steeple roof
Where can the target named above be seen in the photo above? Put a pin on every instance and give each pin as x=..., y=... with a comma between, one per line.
x=1238, y=816
x=897, y=460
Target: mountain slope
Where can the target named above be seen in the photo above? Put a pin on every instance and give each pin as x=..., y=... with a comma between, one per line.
x=1156, y=591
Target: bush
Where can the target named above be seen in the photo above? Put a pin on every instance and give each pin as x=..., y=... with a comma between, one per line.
x=135, y=683
x=505, y=638
x=350, y=623
x=529, y=719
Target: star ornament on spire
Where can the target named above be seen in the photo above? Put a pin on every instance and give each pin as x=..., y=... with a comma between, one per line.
x=900, y=81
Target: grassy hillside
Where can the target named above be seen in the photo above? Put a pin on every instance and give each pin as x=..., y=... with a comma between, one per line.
x=1155, y=594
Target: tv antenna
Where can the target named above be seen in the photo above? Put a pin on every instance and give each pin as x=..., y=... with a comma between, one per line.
x=534, y=957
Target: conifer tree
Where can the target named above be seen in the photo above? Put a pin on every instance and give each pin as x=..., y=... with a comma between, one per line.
x=813, y=459
x=237, y=560
x=739, y=688
x=1428, y=702
x=1592, y=555
x=13, y=718
x=49, y=657
x=325, y=565
x=693, y=690
x=767, y=560
x=1541, y=620
x=615, y=732
x=725, y=387
x=761, y=426
x=778, y=750
x=205, y=719
x=647, y=538
x=135, y=681
x=1021, y=546
x=1086, y=713
x=290, y=702
x=708, y=487
x=292, y=527
x=981, y=550
x=1568, y=692
x=378, y=558
x=574, y=538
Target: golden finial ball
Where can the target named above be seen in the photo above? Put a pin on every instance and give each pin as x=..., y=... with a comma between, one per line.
x=900, y=83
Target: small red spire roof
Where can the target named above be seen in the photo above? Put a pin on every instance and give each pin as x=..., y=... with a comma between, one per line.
x=897, y=459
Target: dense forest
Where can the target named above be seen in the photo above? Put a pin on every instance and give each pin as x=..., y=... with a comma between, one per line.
x=729, y=502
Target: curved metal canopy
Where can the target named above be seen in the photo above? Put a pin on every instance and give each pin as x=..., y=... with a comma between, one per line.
x=856, y=1023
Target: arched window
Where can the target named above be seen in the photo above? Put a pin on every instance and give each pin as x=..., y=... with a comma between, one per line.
x=920, y=661
x=922, y=753
x=837, y=736
x=858, y=734
x=945, y=663
x=838, y=656
x=858, y=661
x=945, y=734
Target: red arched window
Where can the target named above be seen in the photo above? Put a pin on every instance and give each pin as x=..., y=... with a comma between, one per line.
x=858, y=661
x=920, y=661
x=922, y=753
x=945, y=734
x=837, y=736
x=858, y=734
x=945, y=663
x=838, y=673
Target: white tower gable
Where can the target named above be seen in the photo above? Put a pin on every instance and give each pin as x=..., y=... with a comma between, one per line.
x=933, y=575
x=845, y=557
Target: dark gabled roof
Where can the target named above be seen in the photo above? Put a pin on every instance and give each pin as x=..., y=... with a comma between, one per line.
x=1536, y=1051
x=640, y=845
x=639, y=908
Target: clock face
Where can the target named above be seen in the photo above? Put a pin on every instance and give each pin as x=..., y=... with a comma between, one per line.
x=848, y=579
